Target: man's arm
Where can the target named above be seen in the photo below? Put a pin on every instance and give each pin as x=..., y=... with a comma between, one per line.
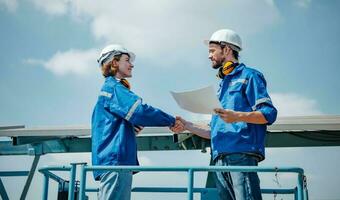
x=199, y=130
x=230, y=116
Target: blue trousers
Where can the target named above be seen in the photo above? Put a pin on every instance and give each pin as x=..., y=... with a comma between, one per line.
x=237, y=185
x=115, y=186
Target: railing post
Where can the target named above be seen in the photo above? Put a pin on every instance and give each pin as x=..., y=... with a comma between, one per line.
x=30, y=176
x=300, y=186
x=3, y=193
x=71, y=186
x=305, y=190
x=82, y=181
x=45, y=190
x=190, y=184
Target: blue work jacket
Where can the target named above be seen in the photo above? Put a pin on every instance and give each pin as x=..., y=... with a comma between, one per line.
x=244, y=89
x=116, y=113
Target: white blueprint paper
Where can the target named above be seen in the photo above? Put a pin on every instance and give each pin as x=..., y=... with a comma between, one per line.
x=202, y=101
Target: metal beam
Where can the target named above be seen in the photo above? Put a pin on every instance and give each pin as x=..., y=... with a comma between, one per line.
x=11, y=127
x=32, y=139
x=74, y=131
x=7, y=148
x=3, y=192
x=186, y=141
x=303, y=139
x=13, y=173
x=286, y=132
x=30, y=177
x=301, y=123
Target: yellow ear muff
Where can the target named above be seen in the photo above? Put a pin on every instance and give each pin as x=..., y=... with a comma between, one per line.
x=125, y=83
x=227, y=68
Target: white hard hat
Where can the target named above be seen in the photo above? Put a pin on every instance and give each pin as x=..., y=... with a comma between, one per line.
x=112, y=50
x=227, y=36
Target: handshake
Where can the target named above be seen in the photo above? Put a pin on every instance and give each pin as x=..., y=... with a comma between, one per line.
x=229, y=116
x=179, y=126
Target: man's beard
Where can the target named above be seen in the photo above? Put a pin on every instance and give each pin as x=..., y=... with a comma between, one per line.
x=217, y=65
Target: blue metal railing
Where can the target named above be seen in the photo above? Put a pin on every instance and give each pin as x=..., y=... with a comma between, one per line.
x=299, y=192
x=29, y=174
x=47, y=172
x=3, y=193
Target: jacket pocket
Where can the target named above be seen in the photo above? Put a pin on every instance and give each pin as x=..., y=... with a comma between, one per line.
x=235, y=88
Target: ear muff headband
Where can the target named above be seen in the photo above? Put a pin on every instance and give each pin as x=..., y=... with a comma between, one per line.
x=126, y=83
x=227, y=68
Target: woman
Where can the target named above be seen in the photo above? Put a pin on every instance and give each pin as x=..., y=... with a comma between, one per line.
x=118, y=115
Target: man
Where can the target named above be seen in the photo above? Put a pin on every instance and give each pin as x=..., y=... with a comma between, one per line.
x=237, y=131
x=117, y=117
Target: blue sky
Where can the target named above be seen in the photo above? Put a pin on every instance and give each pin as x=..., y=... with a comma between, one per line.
x=49, y=74
x=49, y=49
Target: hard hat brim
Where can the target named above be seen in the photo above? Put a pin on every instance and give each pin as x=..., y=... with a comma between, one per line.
x=132, y=56
x=207, y=42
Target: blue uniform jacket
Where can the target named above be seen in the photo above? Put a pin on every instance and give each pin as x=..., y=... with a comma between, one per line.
x=113, y=119
x=244, y=89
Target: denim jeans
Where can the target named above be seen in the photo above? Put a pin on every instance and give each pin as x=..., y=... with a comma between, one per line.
x=115, y=185
x=237, y=185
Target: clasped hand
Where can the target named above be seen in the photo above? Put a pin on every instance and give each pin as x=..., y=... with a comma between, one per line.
x=179, y=125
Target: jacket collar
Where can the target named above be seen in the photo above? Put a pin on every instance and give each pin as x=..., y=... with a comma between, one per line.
x=111, y=79
x=237, y=69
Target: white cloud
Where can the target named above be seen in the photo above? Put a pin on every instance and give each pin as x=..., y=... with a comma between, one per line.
x=165, y=27
x=76, y=62
x=11, y=5
x=289, y=104
x=52, y=7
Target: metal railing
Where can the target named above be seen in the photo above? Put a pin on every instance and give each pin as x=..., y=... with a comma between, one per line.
x=300, y=192
x=3, y=193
